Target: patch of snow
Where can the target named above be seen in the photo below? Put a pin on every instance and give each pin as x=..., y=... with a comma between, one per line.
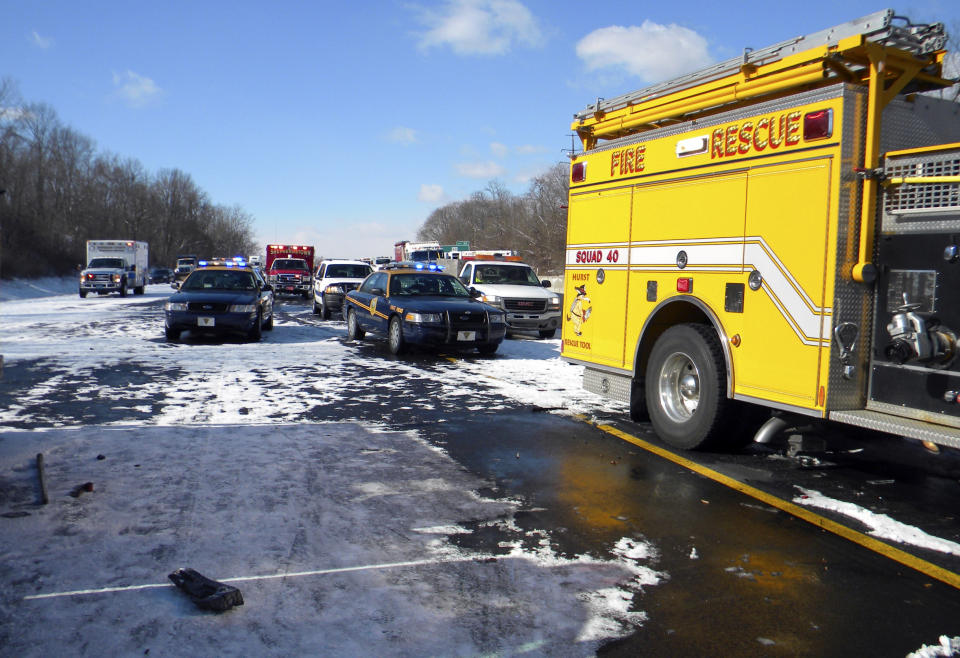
x=948, y=646
x=880, y=525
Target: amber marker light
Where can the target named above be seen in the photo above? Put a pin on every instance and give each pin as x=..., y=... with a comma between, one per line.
x=735, y=340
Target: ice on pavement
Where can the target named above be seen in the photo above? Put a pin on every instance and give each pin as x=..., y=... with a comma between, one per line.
x=326, y=542
x=327, y=527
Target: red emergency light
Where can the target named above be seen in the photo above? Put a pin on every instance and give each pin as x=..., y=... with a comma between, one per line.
x=684, y=285
x=817, y=125
x=578, y=173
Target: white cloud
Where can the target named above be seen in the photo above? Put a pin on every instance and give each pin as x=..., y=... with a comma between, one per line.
x=402, y=135
x=487, y=169
x=652, y=51
x=530, y=149
x=14, y=114
x=431, y=193
x=40, y=41
x=499, y=150
x=526, y=175
x=135, y=89
x=479, y=27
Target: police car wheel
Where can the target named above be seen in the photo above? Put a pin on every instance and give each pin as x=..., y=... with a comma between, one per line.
x=686, y=387
x=172, y=334
x=83, y=294
x=395, y=336
x=256, y=331
x=324, y=312
x=269, y=323
x=354, y=332
x=316, y=307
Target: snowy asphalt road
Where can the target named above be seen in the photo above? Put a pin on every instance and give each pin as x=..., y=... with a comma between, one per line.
x=371, y=505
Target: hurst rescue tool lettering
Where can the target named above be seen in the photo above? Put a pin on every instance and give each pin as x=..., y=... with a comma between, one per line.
x=628, y=160
x=580, y=344
x=755, y=136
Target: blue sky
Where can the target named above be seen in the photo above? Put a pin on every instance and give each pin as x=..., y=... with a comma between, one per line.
x=343, y=124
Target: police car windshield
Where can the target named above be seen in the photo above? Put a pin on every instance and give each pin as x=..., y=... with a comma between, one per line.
x=427, y=284
x=214, y=280
x=506, y=274
x=106, y=262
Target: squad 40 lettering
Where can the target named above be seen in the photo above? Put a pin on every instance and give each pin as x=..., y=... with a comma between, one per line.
x=598, y=256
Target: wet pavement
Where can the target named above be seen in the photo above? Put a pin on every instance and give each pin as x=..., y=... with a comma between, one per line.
x=740, y=576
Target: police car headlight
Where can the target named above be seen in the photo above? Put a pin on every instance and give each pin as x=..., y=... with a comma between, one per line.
x=420, y=318
x=496, y=300
x=554, y=302
x=175, y=306
x=242, y=308
x=333, y=290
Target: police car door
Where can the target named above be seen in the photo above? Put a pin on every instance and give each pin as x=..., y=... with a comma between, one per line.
x=372, y=299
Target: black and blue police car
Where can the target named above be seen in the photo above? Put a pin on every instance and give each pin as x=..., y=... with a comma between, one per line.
x=220, y=297
x=419, y=304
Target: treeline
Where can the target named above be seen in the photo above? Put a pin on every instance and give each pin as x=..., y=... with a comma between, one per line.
x=534, y=224
x=60, y=192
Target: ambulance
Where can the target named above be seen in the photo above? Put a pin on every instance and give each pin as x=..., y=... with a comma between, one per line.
x=779, y=233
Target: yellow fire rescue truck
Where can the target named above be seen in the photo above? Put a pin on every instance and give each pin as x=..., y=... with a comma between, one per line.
x=781, y=230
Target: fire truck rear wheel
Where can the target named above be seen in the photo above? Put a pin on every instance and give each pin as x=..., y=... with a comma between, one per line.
x=354, y=332
x=395, y=336
x=685, y=387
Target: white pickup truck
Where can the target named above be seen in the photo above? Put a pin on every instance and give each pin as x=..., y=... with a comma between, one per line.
x=515, y=288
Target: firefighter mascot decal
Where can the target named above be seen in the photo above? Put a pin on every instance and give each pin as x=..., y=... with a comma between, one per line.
x=580, y=309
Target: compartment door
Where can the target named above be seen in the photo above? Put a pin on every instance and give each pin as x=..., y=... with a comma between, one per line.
x=785, y=326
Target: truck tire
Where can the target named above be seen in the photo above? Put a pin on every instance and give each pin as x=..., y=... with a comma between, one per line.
x=354, y=330
x=83, y=294
x=138, y=290
x=548, y=333
x=123, y=289
x=686, y=388
x=395, y=336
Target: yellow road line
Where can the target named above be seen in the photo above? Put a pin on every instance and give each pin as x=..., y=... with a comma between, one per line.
x=875, y=545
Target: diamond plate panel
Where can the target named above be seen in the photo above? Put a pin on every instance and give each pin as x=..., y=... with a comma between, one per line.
x=608, y=384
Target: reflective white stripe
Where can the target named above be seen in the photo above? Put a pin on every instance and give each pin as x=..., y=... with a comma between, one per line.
x=810, y=322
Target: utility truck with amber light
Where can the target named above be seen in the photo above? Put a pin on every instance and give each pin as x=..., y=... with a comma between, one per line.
x=779, y=232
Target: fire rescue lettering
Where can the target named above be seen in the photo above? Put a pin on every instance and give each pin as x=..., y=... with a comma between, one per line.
x=769, y=132
x=628, y=161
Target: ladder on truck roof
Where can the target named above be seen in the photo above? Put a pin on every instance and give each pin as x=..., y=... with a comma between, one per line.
x=846, y=52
